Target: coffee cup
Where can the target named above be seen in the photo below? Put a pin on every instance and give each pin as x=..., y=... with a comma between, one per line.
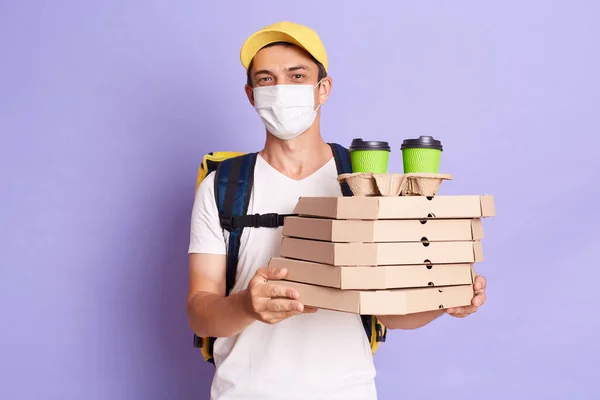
x=369, y=156
x=421, y=155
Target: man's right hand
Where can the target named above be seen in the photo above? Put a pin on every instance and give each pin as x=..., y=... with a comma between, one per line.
x=272, y=303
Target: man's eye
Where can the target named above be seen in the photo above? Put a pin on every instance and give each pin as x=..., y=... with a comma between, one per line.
x=298, y=76
x=264, y=79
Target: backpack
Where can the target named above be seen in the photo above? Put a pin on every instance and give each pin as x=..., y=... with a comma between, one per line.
x=234, y=175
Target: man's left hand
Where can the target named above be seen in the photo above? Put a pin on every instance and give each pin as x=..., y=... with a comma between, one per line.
x=477, y=301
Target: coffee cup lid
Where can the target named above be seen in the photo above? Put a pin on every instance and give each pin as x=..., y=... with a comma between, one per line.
x=423, y=142
x=359, y=144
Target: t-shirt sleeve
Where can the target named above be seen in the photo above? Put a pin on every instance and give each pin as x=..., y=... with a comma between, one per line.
x=206, y=234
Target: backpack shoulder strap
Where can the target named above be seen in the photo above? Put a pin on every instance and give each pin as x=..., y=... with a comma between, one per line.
x=343, y=164
x=234, y=179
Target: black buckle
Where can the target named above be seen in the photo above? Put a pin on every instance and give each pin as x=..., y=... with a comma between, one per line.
x=269, y=220
x=255, y=221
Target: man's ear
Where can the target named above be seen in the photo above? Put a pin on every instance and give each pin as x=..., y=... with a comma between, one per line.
x=250, y=94
x=325, y=89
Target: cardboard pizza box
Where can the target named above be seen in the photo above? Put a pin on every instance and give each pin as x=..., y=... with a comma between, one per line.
x=396, y=207
x=411, y=230
x=368, y=278
x=374, y=254
x=382, y=302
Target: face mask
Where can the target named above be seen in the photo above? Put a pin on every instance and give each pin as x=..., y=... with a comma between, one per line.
x=286, y=110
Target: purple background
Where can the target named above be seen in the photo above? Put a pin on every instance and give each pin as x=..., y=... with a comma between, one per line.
x=107, y=107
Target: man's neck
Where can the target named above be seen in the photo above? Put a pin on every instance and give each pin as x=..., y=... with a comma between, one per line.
x=297, y=158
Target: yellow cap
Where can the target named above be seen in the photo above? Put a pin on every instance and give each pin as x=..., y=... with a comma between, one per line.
x=285, y=31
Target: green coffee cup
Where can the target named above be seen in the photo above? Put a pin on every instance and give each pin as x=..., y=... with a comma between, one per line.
x=369, y=156
x=421, y=155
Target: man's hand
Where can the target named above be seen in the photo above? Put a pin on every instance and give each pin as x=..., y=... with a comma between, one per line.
x=272, y=303
x=477, y=301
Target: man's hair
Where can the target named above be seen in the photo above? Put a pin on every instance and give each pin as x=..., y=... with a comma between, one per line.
x=321, y=67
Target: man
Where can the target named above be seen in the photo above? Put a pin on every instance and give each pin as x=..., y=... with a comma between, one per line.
x=271, y=346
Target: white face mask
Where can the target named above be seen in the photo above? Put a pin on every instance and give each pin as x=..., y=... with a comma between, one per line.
x=286, y=110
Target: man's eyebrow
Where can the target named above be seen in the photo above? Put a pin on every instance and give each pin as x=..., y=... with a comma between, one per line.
x=262, y=71
x=296, y=68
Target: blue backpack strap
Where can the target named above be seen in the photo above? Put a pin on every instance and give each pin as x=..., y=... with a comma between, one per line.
x=344, y=166
x=233, y=186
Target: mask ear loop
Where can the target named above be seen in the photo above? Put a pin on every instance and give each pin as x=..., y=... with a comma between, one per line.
x=318, y=83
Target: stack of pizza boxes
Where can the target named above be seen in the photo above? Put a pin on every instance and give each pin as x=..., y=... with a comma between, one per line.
x=384, y=255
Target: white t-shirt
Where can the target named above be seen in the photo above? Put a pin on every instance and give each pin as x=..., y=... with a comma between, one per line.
x=325, y=355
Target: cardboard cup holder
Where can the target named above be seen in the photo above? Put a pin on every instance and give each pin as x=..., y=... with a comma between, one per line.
x=370, y=184
x=424, y=184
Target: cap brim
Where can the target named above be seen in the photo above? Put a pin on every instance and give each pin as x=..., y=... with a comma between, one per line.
x=260, y=39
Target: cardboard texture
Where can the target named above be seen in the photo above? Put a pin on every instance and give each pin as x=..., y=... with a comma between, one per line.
x=382, y=302
x=372, y=254
x=388, y=254
x=383, y=230
x=382, y=277
x=401, y=207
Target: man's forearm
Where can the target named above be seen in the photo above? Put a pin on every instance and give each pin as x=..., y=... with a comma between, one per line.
x=410, y=321
x=219, y=316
